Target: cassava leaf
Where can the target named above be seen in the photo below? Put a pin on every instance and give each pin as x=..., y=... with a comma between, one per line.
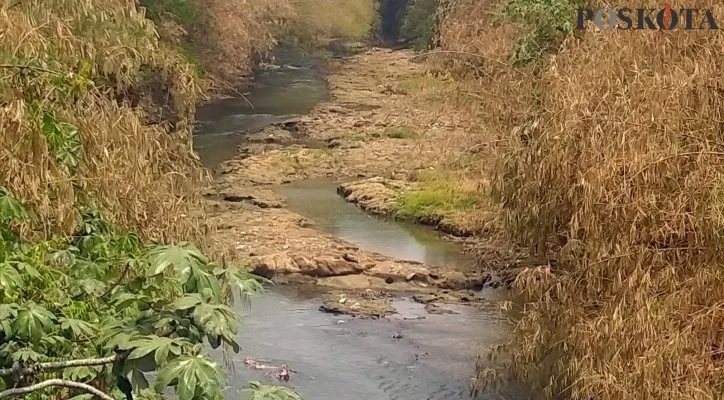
x=159, y=347
x=77, y=329
x=193, y=374
x=181, y=257
x=10, y=208
x=32, y=322
x=10, y=279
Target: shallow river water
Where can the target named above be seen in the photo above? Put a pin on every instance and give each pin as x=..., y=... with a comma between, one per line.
x=339, y=358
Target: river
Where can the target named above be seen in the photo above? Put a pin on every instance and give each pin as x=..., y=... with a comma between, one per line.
x=339, y=358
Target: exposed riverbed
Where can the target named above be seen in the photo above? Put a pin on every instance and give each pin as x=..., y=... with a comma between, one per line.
x=430, y=356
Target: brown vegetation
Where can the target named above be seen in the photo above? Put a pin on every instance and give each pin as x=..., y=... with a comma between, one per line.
x=609, y=155
x=224, y=38
x=70, y=138
x=96, y=111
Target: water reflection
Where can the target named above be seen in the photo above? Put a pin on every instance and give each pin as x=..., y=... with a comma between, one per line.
x=318, y=201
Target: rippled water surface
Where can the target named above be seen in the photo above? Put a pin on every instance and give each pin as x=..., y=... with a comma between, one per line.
x=341, y=358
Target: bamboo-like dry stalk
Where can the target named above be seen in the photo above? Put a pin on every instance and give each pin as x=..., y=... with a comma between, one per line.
x=610, y=158
x=84, y=63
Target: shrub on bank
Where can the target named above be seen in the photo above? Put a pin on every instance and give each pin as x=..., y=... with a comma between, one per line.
x=74, y=78
x=316, y=21
x=419, y=22
x=226, y=37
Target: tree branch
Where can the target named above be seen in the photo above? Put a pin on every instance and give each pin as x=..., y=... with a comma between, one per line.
x=120, y=278
x=54, y=382
x=30, y=67
x=88, y=362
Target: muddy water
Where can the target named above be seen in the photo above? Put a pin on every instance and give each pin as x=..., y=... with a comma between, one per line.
x=338, y=358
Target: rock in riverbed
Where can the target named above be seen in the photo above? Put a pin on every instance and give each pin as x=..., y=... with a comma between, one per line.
x=334, y=263
x=375, y=195
x=433, y=308
x=448, y=296
x=307, y=264
x=373, y=305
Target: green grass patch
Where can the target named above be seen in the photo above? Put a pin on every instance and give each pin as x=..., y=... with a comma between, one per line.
x=191, y=56
x=435, y=200
x=399, y=132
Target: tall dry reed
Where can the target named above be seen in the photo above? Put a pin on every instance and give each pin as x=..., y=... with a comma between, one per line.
x=611, y=157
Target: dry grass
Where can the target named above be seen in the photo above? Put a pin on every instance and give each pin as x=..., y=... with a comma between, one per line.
x=96, y=112
x=74, y=61
x=610, y=156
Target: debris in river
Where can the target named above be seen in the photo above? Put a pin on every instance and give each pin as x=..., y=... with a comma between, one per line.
x=282, y=373
x=448, y=296
x=397, y=335
x=435, y=309
x=363, y=306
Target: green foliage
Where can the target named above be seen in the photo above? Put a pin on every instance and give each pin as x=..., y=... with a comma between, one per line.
x=63, y=139
x=420, y=22
x=547, y=23
x=200, y=377
x=190, y=55
x=317, y=20
x=10, y=209
x=185, y=12
x=105, y=291
x=262, y=392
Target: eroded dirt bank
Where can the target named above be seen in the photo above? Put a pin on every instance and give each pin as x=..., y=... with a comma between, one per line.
x=377, y=136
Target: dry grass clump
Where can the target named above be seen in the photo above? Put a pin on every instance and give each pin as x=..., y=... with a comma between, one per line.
x=475, y=44
x=615, y=162
x=222, y=38
x=69, y=138
x=476, y=97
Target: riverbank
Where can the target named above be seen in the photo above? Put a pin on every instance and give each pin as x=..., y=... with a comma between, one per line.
x=379, y=126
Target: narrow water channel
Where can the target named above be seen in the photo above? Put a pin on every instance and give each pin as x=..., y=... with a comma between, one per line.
x=339, y=358
x=318, y=200
x=279, y=92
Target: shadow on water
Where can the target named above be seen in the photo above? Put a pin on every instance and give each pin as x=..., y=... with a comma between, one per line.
x=338, y=358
